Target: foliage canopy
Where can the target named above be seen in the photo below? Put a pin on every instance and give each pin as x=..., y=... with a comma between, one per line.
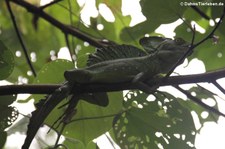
x=135, y=119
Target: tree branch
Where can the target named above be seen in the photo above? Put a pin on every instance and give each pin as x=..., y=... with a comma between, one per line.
x=82, y=88
x=66, y=29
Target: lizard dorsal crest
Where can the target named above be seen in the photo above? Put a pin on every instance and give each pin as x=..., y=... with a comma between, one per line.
x=149, y=44
x=114, y=52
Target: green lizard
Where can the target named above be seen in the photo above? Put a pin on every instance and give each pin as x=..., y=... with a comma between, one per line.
x=113, y=64
x=164, y=55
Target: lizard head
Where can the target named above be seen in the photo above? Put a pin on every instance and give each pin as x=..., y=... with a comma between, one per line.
x=167, y=51
x=153, y=44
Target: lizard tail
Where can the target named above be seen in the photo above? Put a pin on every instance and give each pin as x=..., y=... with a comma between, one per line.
x=41, y=113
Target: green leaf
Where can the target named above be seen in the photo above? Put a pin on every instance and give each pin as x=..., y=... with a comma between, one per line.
x=6, y=100
x=212, y=54
x=166, y=11
x=6, y=61
x=83, y=53
x=8, y=114
x=131, y=34
x=2, y=138
x=156, y=122
x=217, y=13
x=69, y=12
x=73, y=143
x=76, y=144
x=7, y=117
x=53, y=72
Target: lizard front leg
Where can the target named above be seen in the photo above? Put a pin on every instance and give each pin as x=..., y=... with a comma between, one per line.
x=139, y=82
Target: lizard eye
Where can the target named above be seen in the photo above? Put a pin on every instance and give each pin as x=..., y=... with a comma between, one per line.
x=179, y=41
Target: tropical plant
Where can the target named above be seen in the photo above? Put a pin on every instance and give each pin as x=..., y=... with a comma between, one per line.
x=31, y=35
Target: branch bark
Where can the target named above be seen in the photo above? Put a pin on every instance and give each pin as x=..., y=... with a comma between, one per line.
x=82, y=88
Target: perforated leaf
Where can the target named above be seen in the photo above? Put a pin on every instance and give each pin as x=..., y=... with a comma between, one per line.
x=8, y=114
x=204, y=95
x=149, y=124
x=7, y=117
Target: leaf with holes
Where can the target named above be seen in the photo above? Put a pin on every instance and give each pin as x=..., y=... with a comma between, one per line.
x=205, y=96
x=8, y=114
x=163, y=122
x=7, y=117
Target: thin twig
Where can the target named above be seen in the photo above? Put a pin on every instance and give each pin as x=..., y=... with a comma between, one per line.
x=212, y=32
x=94, y=117
x=69, y=48
x=200, y=12
x=60, y=146
x=219, y=86
x=73, y=52
x=49, y=4
x=59, y=135
x=193, y=36
x=20, y=39
x=185, y=22
x=199, y=102
x=110, y=141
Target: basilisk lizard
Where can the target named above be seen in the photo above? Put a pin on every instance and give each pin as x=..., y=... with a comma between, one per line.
x=113, y=64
